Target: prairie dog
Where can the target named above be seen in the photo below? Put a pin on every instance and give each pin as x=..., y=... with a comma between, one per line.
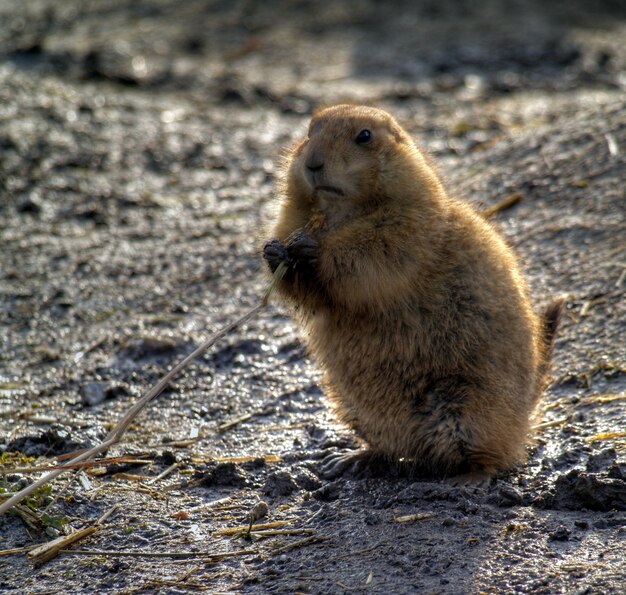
x=413, y=305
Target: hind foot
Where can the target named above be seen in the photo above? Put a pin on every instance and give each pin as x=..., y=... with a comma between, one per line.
x=337, y=464
x=478, y=480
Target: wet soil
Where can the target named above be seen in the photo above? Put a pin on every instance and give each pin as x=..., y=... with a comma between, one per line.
x=139, y=149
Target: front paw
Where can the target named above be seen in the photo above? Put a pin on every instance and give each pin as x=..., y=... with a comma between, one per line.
x=274, y=253
x=302, y=248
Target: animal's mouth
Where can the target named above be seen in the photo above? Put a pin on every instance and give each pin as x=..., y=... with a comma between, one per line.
x=332, y=189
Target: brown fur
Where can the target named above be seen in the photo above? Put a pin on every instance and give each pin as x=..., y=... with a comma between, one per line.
x=414, y=305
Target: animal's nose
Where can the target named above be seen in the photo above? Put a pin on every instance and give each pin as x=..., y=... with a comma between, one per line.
x=315, y=160
x=314, y=165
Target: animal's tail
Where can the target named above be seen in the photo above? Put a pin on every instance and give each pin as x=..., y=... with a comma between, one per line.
x=550, y=321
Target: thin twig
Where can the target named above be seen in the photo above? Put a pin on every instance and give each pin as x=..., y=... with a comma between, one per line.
x=231, y=424
x=130, y=477
x=418, y=516
x=164, y=474
x=107, y=514
x=243, y=528
x=78, y=465
x=118, y=431
x=268, y=458
x=360, y=552
x=300, y=543
x=63, y=492
x=193, y=483
x=213, y=504
x=29, y=517
x=605, y=436
x=313, y=516
x=550, y=424
x=606, y=398
x=176, y=443
x=274, y=532
x=18, y=550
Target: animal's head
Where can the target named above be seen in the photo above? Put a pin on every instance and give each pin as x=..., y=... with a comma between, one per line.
x=353, y=156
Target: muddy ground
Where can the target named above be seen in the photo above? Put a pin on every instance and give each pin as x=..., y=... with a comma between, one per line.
x=139, y=144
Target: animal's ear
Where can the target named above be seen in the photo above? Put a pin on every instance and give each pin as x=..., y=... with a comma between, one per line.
x=318, y=109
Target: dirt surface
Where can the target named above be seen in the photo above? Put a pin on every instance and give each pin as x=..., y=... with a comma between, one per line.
x=139, y=144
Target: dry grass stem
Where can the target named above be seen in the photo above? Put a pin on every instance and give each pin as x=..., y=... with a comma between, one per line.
x=245, y=459
x=107, y=514
x=285, y=427
x=244, y=528
x=49, y=550
x=606, y=398
x=506, y=203
x=129, y=476
x=17, y=550
x=411, y=518
x=78, y=465
x=588, y=305
x=299, y=544
x=31, y=519
x=120, y=553
x=556, y=404
x=177, y=443
x=551, y=424
x=605, y=436
x=231, y=424
x=164, y=474
x=241, y=459
x=274, y=532
x=216, y=504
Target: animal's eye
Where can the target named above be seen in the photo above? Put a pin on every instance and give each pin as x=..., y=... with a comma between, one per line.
x=364, y=137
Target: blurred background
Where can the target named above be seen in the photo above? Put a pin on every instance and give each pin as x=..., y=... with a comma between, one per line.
x=294, y=53
x=140, y=144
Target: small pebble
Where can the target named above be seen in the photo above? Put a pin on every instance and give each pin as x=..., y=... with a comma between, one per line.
x=561, y=533
x=509, y=496
x=259, y=510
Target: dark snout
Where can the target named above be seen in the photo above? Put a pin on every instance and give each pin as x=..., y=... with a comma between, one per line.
x=314, y=158
x=314, y=167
